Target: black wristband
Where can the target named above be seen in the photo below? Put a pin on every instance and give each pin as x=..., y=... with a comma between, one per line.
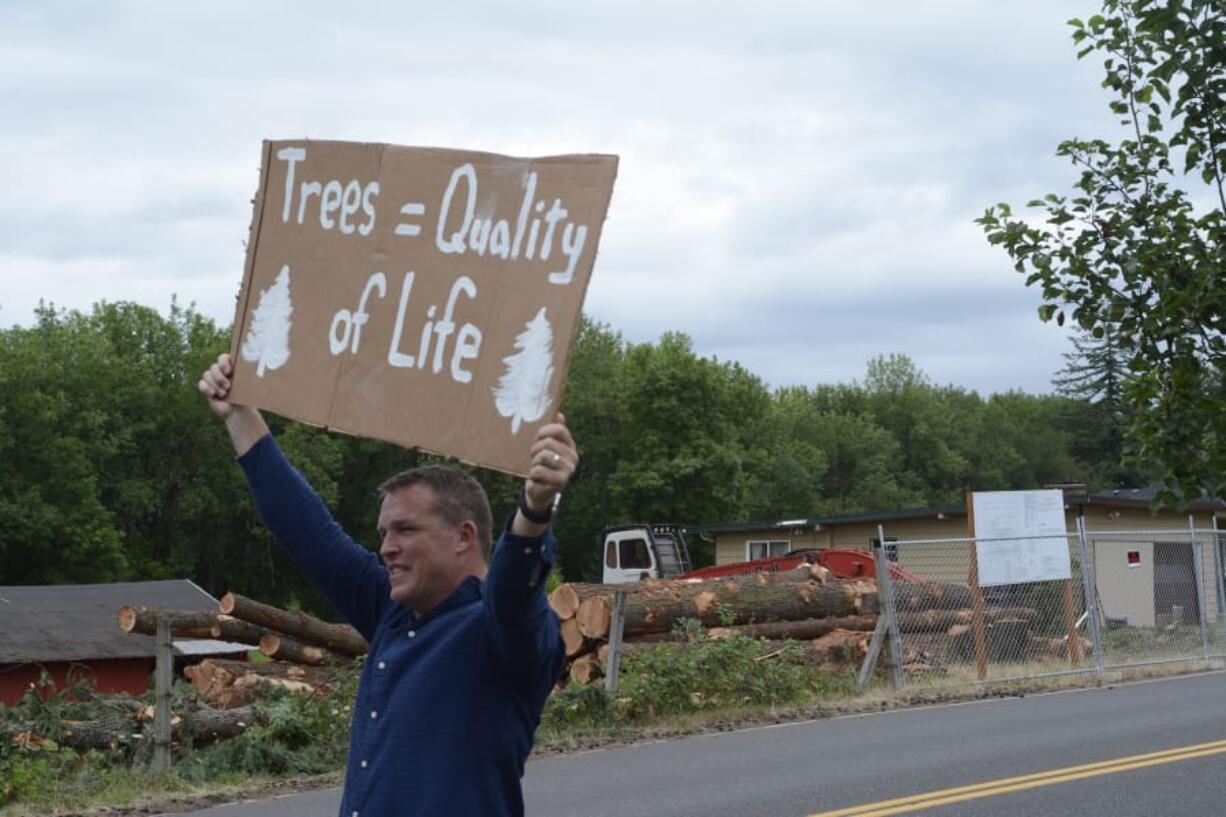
x=531, y=515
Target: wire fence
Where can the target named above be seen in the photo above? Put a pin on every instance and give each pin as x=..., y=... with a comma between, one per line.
x=1028, y=607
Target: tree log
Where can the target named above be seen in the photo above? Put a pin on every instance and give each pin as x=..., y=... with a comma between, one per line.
x=104, y=733
x=1007, y=640
x=208, y=724
x=939, y=621
x=113, y=731
x=230, y=628
x=272, y=669
x=658, y=609
x=337, y=637
x=806, y=629
x=564, y=600
x=931, y=596
x=566, y=597
x=584, y=669
x=841, y=646
x=225, y=684
x=594, y=617
x=143, y=620
x=573, y=640
x=285, y=648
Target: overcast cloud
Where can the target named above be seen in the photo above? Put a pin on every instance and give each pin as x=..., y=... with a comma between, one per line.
x=797, y=182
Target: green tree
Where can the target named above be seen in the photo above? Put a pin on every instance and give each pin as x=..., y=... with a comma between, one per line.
x=54, y=526
x=905, y=403
x=862, y=464
x=1139, y=249
x=1093, y=379
x=595, y=406
x=690, y=418
x=784, y=466
x=107, y=464
x=1094, y=371
x=1022, y=441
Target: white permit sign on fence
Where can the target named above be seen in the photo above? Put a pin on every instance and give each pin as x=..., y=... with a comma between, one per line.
x=1008, y=515
x=423, y=296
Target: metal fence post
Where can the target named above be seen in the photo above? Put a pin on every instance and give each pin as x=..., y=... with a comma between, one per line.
x=163, y=679
x=1219, y=580
x=1198, y=565
x=885, y=596
x=616, y=626
x=1093, y=609
x=870, y=659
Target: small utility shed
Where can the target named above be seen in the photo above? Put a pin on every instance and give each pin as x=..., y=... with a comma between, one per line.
x=1135, y=591
x=72, y=632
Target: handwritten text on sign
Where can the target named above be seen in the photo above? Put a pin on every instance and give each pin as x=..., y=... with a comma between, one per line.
x=417, y=295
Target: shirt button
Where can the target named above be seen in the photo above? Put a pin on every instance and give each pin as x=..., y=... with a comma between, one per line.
x=382, y=665
x=412, y=634
x=363, y=764
x=355, y=813
x=373, y=714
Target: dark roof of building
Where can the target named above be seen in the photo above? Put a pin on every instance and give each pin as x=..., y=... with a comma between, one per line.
x=809, y=521
x=1145, y=497
x=1133, y=497
x=77, y=622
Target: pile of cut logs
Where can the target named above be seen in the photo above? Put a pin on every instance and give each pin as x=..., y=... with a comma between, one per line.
x=305, y=650
x=833, y=618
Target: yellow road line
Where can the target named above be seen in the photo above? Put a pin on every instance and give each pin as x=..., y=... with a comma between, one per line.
x=901, y=805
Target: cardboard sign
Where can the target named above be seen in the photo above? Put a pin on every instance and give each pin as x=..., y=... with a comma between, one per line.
x=422, y=296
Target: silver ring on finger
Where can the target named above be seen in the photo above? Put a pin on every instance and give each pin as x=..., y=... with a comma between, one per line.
x=557, y=458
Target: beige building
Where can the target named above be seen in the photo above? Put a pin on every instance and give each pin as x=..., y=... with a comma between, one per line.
x=1142, y=571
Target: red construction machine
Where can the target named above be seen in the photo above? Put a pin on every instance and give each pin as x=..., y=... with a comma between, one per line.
x=636, y=552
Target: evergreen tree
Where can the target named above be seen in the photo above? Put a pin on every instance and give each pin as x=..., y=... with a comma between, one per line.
x=1096, y=413
x=1094, y=371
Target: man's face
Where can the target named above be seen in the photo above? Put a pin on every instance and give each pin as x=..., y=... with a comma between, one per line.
x=422, y=552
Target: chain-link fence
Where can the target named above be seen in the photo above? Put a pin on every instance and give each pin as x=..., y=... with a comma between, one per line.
x=1083, y=603
x=1159, y=595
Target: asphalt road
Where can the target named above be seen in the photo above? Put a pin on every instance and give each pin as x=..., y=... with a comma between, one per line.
x=848, y=764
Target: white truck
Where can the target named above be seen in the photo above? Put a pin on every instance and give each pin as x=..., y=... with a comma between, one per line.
x=636, y=552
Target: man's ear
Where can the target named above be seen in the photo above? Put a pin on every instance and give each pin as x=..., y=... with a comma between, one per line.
x=468, y=538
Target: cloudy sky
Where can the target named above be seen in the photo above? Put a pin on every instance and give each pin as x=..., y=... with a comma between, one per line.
x=797, y=186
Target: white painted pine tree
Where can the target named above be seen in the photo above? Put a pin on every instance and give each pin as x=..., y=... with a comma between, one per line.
x=523, y=390
x=267, y=342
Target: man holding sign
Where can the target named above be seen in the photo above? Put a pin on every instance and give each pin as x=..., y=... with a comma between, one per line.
x=464, y=648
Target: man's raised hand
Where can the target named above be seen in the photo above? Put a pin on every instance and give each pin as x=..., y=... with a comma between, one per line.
x=244, y=423
x=215, y=386
x=551, y=463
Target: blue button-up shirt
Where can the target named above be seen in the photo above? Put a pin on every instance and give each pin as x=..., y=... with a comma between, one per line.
x=448, y=702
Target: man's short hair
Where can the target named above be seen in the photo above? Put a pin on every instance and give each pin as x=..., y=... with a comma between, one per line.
x=457, y=497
